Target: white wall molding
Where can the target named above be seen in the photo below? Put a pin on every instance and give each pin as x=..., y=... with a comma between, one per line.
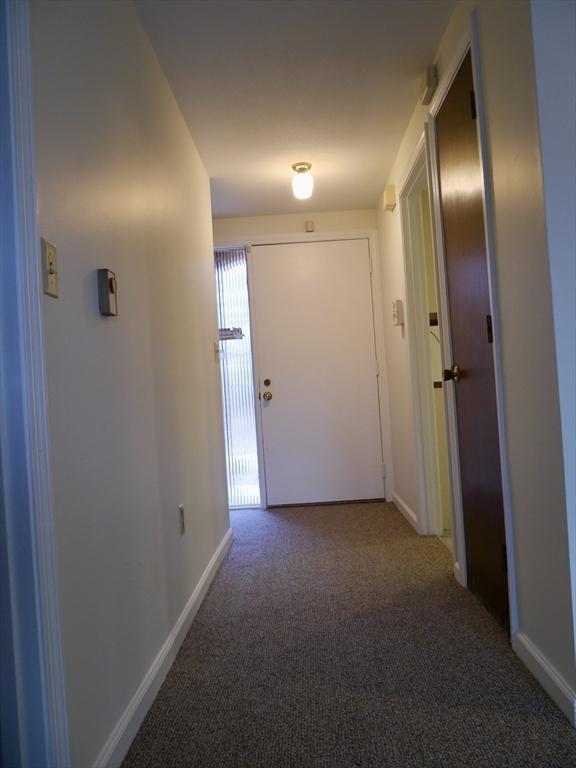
x=547, y=675
x=408, y=513
x=411, y=224
x=119, y=741
x=26, y=472
x=294, y=237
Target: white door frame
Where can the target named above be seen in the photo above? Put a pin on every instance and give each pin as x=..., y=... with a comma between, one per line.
x=470, y=42
x=423, y=404
x=429, y=495
x=35, y=705
x=377, y=303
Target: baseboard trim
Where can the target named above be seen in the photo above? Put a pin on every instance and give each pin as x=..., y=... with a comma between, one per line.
x=458, y=575
x=547, y=675
x=119, y=741
x=406, y=511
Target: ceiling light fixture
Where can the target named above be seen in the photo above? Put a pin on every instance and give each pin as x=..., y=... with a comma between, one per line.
x=302, y=181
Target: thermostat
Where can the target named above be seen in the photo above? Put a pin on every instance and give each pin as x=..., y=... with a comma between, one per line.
x=107, y=293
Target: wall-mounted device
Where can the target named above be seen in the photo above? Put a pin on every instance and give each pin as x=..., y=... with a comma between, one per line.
x=49, y=268
x=428, y=85
x=390, y=197
x=309, y=226
x=397, y=312
x=107, y=293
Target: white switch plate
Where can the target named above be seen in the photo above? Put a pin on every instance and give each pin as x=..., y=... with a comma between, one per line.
x=397, y=312
x=49, y=268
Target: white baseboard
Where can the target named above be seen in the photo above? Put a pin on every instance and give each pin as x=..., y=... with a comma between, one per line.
x=119, y=741
x=458, y=575
x=548, y=676
x=406, y=511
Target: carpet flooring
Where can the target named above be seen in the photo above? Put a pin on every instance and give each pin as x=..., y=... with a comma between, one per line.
x=335, y=637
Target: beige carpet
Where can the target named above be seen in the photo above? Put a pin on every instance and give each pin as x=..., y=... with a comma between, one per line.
x=336, y=637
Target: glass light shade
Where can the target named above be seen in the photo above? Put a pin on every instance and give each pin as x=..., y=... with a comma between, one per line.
x=302, y=185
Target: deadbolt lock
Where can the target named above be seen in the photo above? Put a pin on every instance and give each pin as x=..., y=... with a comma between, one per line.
x=267, y=395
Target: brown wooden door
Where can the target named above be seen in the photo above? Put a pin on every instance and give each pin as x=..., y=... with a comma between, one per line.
x=471, y=333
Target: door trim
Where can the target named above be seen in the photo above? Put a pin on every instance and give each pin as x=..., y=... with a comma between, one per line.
x=371, y=235
x=470, y=42
x=26, y=511
x=429, y=497
x=458, y=540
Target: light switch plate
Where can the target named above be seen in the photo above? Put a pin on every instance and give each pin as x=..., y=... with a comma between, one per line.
x=49, y=268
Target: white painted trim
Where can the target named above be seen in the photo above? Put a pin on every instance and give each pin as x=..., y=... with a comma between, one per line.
x=294, y=237
x=257, y=385
x=408, y=513
x=429, y=507
x=371, y=236
x=119, y=741
x=458, y=574
x=458, y=540
x=547, y=675
x=29, y=511
x=383, y=387
x=460, y=52
x=415, y=158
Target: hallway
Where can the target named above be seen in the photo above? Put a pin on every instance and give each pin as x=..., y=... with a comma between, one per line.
x=335, y=636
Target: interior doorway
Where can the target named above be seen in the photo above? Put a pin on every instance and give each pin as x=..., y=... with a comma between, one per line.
x=237, y=378
x=425, y=342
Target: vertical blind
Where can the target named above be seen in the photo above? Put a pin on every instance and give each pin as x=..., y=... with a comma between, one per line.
x=237, y=377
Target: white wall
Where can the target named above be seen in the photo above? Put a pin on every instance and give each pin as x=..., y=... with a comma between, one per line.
x=292, y=223
x=553, y=30
x=135, y=414
x=532, y=414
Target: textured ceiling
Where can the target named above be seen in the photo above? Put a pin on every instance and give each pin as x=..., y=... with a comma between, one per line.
x=265, y=83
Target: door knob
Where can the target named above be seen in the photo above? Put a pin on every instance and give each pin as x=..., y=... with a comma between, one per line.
x=451, y=374
x=267, y=395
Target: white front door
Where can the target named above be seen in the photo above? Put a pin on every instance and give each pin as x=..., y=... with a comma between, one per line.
x=314, y=342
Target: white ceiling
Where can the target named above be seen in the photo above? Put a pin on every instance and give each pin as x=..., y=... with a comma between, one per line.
x=265, y=83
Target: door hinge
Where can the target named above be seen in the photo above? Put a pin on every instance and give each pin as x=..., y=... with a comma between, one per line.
x=505, y=558
x=489, y=329
x=473, y=105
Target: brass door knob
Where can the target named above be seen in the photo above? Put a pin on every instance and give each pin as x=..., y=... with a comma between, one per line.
x=451, y=374
x=267, y=395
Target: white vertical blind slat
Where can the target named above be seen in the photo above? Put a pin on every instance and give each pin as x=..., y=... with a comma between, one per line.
x=237, y=379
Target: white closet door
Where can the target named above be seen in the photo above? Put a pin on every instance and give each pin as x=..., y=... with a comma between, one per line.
x=314, y=341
